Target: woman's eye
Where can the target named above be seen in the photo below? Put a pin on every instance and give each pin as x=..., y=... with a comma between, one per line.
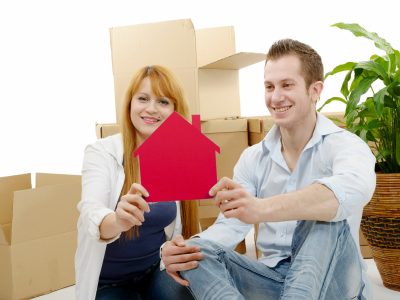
x=142, y=99
x=164, y=101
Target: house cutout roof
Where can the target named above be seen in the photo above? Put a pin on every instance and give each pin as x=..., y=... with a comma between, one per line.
x=178, y=162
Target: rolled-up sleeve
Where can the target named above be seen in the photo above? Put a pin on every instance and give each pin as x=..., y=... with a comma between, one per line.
x=353, y=177
x=96, y=192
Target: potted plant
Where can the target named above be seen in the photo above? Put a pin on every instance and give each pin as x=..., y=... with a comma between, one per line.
x=371, y=94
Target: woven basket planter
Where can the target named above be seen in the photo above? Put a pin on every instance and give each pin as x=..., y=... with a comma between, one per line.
x=381, y=227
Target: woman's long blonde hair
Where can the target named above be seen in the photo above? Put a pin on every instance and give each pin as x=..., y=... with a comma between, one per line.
x=163, y=83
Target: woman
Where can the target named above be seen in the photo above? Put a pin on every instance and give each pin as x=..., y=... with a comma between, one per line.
x=119, y=233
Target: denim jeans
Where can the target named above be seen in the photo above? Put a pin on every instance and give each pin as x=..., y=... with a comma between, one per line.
x=324, y=265
x=152, y=284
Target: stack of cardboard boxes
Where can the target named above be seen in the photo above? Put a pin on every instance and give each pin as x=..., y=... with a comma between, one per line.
x=37, y=234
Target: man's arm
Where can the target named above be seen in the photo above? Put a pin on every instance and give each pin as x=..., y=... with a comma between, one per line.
x=314, y=202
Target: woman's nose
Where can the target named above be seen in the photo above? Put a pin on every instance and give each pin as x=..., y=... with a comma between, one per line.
x=151, y=106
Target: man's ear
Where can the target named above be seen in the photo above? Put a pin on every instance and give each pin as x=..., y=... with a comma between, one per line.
x=316, y=90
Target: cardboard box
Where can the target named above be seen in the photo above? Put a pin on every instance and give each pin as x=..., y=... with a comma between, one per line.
x=205, y=62
x=37, y=234
x=104, y=130
x=258, y=128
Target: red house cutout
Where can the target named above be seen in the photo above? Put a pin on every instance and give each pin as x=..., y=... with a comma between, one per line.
x=178, y=162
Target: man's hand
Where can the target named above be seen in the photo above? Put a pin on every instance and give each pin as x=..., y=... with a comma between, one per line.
x=235, y=202
x=177, y=256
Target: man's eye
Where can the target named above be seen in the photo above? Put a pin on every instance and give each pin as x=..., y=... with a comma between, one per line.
x=268, y=87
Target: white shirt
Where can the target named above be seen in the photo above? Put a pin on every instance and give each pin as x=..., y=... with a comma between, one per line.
x=102, y=180
x=333, y=157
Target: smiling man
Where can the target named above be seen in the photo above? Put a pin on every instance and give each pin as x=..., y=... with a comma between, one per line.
x=304, y=184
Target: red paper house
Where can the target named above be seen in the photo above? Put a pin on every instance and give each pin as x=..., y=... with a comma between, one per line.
x=178, y=162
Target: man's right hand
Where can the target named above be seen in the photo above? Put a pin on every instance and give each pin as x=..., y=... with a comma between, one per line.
x=178, y=256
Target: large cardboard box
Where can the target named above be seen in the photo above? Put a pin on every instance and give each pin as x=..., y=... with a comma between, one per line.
x=205, y=62
x=37, y=234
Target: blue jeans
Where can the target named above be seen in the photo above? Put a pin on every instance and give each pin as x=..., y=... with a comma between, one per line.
x=324, y=265
x=151, y=284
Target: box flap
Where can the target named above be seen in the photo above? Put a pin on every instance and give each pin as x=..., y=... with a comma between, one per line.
x=224, y=125
x=236, y=61
x=104, y=130
x=8, y=185
x=254, y=125
x=5, y=234
x=45, y=211
x=212, y=44
x=43, y=179
x=171, y=44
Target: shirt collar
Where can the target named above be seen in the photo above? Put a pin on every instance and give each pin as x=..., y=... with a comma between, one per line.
x=323, y=127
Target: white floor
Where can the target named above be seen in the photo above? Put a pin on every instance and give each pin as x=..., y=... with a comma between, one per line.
x=380, y=292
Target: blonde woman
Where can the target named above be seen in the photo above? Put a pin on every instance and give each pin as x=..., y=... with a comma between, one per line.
x=119, y=233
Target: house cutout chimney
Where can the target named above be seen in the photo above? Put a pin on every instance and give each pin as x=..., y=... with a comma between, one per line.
x=196, y=122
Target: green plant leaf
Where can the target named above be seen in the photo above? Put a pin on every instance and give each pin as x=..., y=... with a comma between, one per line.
x=394, y=88
x=358, y=91
x=333, y=99
x=374, y=67
x=345, y=85
x=343, y=67
x=357, y=30
x=379, y=101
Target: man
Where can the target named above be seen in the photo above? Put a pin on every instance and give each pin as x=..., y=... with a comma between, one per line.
x=306, y=186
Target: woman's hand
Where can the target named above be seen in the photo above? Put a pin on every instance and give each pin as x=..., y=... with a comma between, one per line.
x=131, y=208
x=177, y=256
x=129, y=212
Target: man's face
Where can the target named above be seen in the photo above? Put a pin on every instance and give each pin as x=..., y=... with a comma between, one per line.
x=288, y=100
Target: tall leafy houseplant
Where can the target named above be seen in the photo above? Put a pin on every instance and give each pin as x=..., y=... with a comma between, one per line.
x=377, y=119
x=371, y=93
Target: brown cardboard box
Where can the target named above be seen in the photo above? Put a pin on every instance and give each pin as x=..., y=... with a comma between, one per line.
x=37, y=234
x=104, y=130
x=205, y=62
x=258, y=128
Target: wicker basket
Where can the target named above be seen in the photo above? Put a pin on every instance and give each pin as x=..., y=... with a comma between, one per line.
x=381, y=227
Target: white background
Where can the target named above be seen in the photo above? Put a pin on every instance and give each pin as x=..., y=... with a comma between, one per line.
x=55, y=62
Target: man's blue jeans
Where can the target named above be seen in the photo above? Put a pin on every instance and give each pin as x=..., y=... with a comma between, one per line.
x=324, y=265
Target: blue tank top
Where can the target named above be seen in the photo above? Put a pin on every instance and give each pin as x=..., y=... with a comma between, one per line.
x=125, y=257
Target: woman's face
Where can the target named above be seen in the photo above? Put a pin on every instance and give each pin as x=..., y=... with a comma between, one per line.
x=148, y=111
